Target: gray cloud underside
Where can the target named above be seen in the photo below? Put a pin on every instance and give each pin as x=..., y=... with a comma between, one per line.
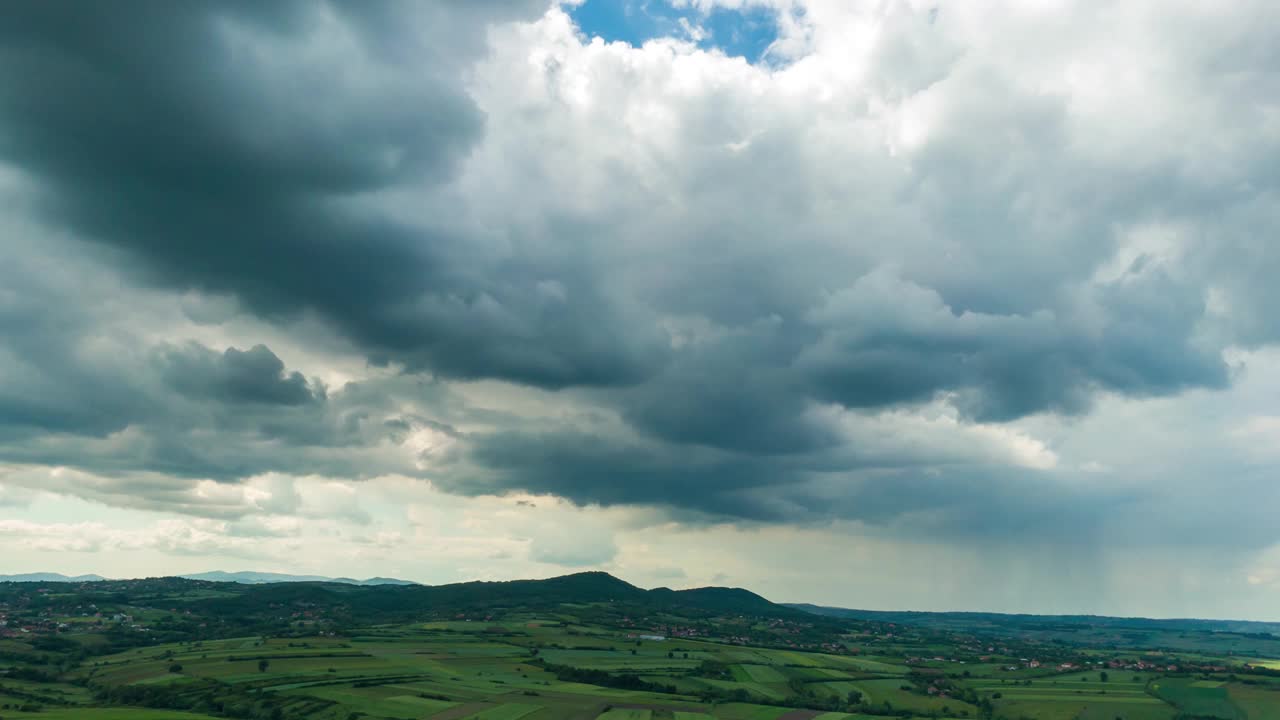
x=229, y=148
x=266, y=151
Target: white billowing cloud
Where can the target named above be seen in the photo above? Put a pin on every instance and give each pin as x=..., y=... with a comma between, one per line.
x=60, y=537
x=150, y=491
x=931, y=204
x=193, y=537
x=1265, y=570
x=936, y=434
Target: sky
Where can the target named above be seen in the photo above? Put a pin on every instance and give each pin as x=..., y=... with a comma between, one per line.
x=884, y=304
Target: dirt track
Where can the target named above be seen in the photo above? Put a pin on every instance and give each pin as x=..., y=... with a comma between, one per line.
x=800, y=715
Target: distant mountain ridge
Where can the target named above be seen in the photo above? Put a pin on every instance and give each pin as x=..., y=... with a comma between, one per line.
x=264, y=578
x=243, y=578
x=381, y=594
x=50, y=577
x=1022, y=622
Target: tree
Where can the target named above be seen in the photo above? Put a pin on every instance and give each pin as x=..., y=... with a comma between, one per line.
x=854, y=697
x=175, y=668
x=263, y=665
x=1103, y=676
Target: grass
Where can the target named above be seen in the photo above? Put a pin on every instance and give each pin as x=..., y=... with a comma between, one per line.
x=1258, y=703
x=627, y=715
x=762, y=673
x=488, y=671
x=510, y=711
x=1076, y=696
x=747, y=711
x=1084, y=709
x=1197, y=700
x=877, y=692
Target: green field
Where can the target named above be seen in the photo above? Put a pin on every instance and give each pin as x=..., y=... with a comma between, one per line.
x=509, y=711
x=627, y=715
x=1081, y=696
x=554, y=660
x=1194, y=698
x=1257, y=702
x=429, y=670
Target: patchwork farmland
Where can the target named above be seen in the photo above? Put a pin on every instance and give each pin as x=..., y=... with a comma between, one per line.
x=576, y=648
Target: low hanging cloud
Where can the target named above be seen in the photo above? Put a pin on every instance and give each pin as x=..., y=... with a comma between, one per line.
x=253, y=376
x=842, y=285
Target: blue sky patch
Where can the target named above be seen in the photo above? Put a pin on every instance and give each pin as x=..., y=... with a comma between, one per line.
x=746, y=33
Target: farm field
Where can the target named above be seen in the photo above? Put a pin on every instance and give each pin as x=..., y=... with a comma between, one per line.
x=304, y=653
x=494, y=674
x=1257, y=702
x=1198, y=698
x=1071, y=696
x=538, y=671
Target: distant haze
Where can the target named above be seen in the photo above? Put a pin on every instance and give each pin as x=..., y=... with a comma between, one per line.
x=250, y=578
x=49, y=577
x=257, y=578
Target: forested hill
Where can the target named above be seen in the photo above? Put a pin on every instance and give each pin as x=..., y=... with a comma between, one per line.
x=392, y=603
x=582, y=588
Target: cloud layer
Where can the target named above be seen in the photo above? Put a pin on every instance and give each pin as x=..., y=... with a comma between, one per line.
x=970, y=273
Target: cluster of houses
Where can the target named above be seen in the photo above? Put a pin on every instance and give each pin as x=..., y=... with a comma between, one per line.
x=17, y=624
x=918, y=660
x=1164, y=665
x=18, y=627
x=663, y=632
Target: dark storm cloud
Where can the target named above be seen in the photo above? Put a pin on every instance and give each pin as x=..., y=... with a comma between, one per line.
x=46, y=388
x=596, y=469
x=957, y=501
x=237, y=376
x=736, y=392
x=909, y=496
x=230, y=147
x=1009, y=502
x=721, y=326
x=887, y=342
x=80, y=390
